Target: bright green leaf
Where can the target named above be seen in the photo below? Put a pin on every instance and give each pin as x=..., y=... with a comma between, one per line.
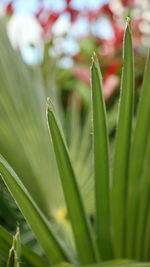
x=79, y=220
x=122, y=148
x=140, y=140
x=28, y=257
x=101, y=163
x=38, y=222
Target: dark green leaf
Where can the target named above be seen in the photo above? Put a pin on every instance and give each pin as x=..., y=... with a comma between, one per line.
x=122, y=148
x=140, y=141
x=101, y=163
x=38, y=222
x=80, y=223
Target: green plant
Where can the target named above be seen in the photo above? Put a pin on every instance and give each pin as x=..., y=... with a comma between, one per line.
x=23, y=96
x=15, y=251
x=23, y=133
x=122, y=187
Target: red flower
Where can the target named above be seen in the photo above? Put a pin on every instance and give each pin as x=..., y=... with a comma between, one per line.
x=118, y=34
x=47, y=18
x=68, y=2
x=104, y=10
x=9, y=8
x=112, y=69
x=109, y=47
x=128, y=2
x=110, y=85
x=73, y=13
x=111, y=79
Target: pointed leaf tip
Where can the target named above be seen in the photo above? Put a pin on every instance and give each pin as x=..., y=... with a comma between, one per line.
x=128, y=20
x=48, y=104
x=128, y=23
x=94, y=59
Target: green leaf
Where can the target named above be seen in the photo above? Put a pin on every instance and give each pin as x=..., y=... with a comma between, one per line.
x=79, y=136
x=122, y=148
x=11, y=258
x=15, y=251
x=29, y=258
x=80, y=223
x=101, y=163
x=140, y=140
x=122, y=263
x=64, y=264
x=141, y=247
x=38, y=222
x=22, y=132
x=146, y=236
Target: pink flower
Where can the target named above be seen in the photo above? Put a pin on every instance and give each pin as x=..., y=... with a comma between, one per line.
x=82, y=73
x=110, y=85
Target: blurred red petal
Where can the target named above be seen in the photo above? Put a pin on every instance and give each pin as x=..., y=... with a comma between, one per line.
x=95, y=14
x=68, y=2
x=46, y=19
x=83, y=74
x=107, y=48
x=105, y=9
x=92, y=15
x=118, y=34
x=73, y=13
x=128, y=2
x=110, y=85
x=9, y=8
x=112, y=69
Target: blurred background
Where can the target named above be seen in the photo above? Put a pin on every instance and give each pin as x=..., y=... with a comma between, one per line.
x=49, y=54
x=71, y=30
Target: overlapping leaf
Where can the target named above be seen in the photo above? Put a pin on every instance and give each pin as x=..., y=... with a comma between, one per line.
x=38, y=222
x=81, y=227
x=101, y=163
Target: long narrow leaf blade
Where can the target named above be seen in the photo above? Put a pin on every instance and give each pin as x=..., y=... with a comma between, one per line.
x=146, y=237
x=139, y=146
x=143, y=206
x=121, y=263
x=80, y=224
x=38, y=222
x=101, y=163
x=122, y=149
